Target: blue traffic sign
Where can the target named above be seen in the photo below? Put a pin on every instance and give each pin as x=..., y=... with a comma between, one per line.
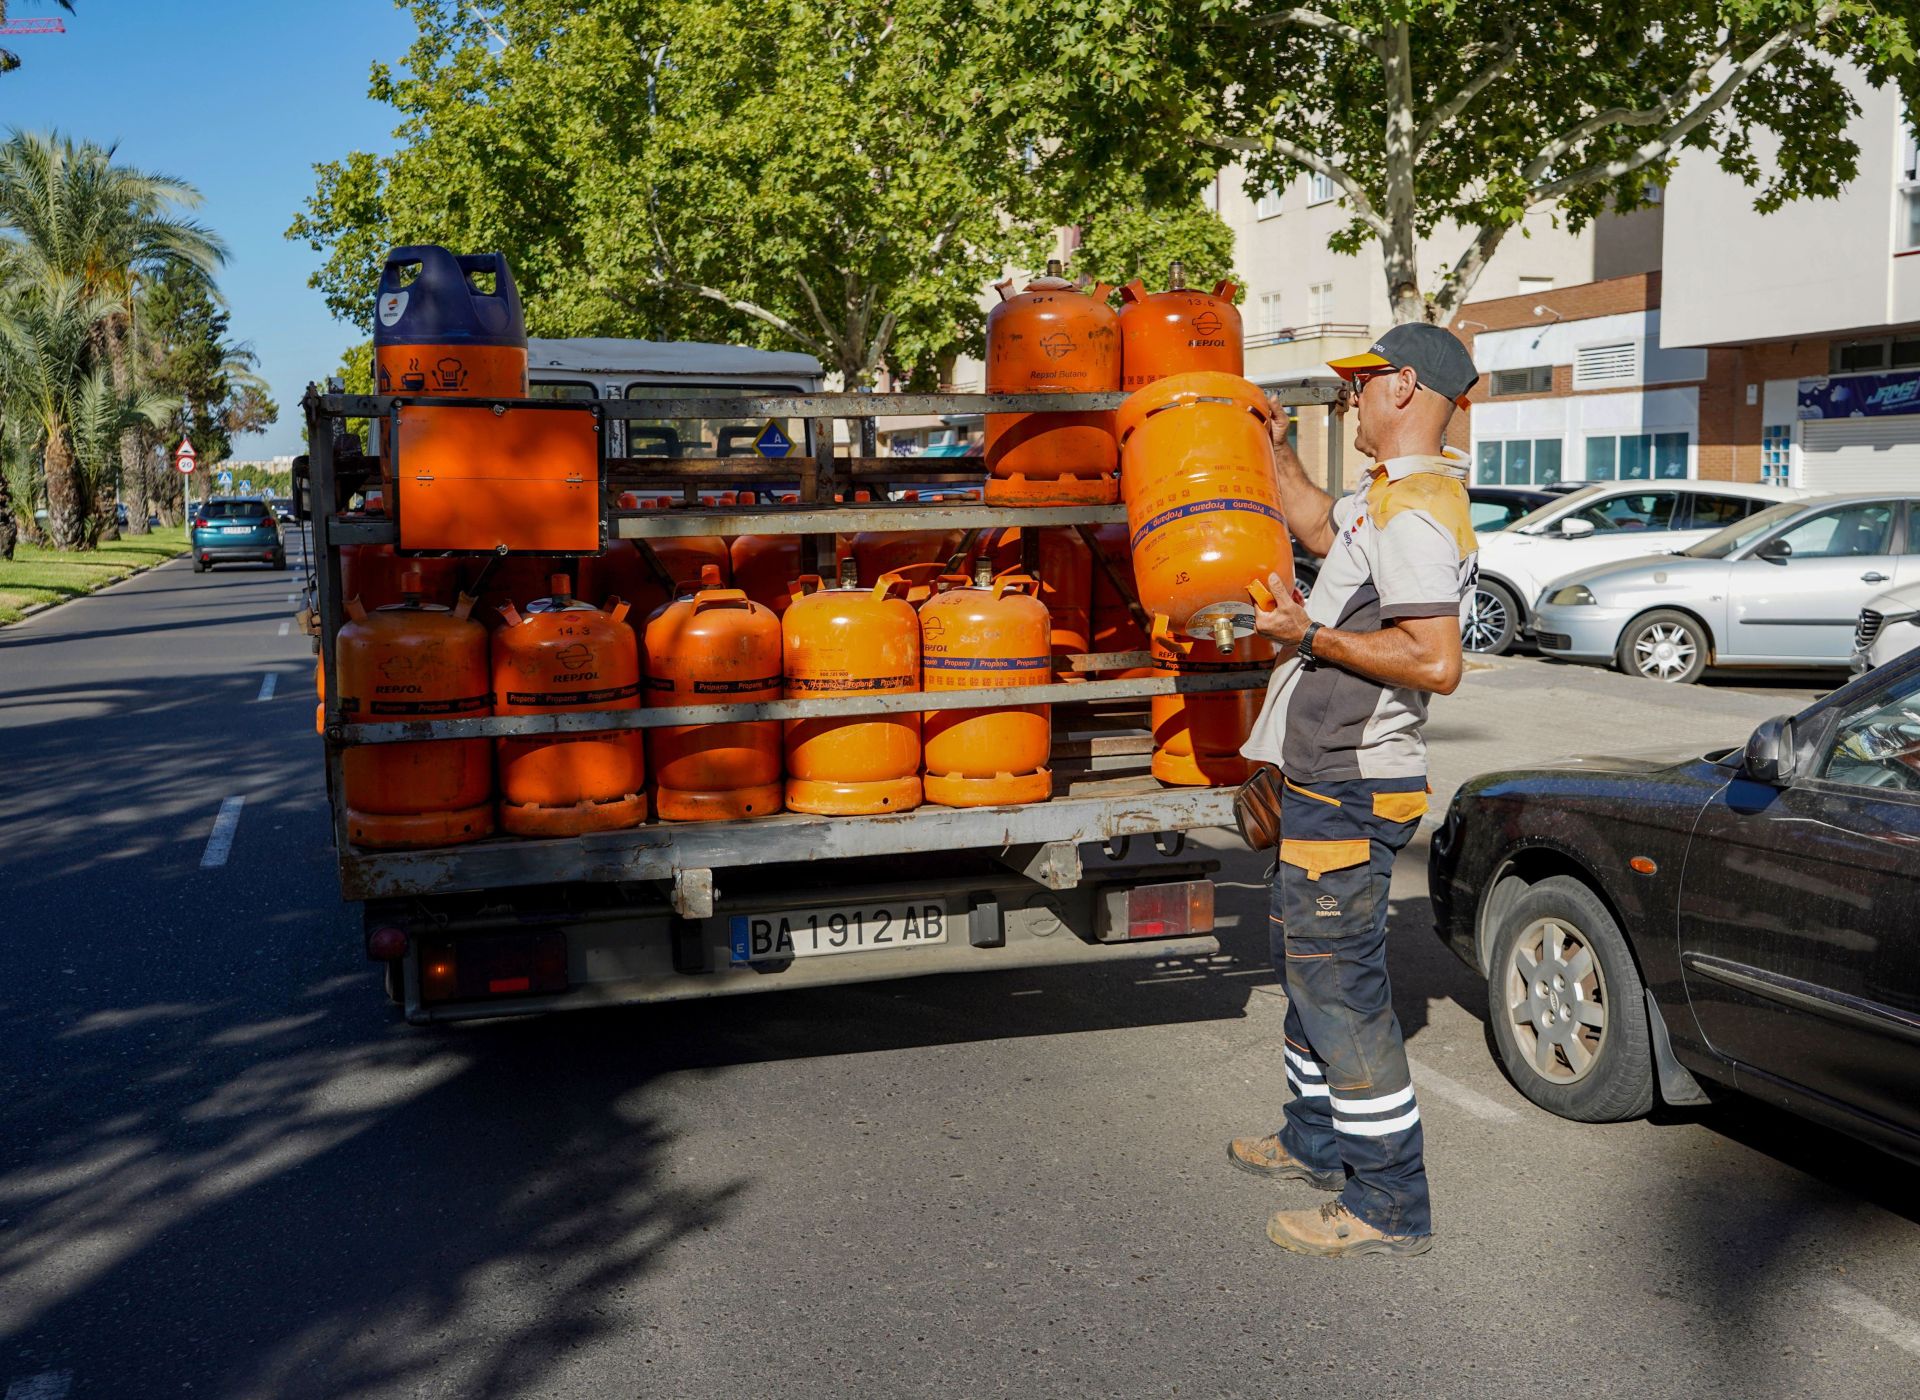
x=225, y=478
x=772, y=442
x=246, y=488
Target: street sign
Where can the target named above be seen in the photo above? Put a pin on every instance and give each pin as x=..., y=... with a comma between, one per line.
x=225, y=478
x=772, y=442
x=246, y=488
x=184, y=457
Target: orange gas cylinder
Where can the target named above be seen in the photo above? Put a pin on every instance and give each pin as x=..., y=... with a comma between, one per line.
x=320, y=689
x=972, y=638
x=683, y=558
x=1052, y=338
x=518, y=579
x=717, y=647
x=1066, y=583
x=851, y=641
x=880, y=552
x=1176, y=331
x=1203, y=504
x=764, y=568
x=563, y=656
x=371, y=573
x=1115, y=628
x=1197, y=738
x=415, y=660
x=449, y=325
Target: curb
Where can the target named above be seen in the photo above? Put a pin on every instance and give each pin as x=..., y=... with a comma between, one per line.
x=29, y=613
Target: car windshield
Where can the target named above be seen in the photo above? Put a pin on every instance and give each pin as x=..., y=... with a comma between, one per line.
x=1743, y=532
x=1535, y=521
x=236, y=510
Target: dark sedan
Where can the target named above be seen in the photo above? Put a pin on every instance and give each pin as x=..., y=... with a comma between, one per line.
x=1748, y=917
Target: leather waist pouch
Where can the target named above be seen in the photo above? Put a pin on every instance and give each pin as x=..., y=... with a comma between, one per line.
x=1256, y=809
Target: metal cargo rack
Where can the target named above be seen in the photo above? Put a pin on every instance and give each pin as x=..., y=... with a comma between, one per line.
x=1104, y=793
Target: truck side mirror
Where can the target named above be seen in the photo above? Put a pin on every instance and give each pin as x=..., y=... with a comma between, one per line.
x=1769, y=755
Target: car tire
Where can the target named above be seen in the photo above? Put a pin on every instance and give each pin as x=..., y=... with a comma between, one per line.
x=280, y=562
x=200, y=566
x=1304, y=577
x=1664, y=645
x=1567, y=1007
x=1493, y=620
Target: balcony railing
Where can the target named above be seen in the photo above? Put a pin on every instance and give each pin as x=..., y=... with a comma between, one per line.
x=1317, y=331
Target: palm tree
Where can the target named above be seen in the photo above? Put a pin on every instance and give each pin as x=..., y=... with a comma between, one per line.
x=9, y=60
x=69, y=210
x=60, y=393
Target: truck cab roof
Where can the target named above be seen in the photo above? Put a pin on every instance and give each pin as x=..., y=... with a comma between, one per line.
x=694, y=361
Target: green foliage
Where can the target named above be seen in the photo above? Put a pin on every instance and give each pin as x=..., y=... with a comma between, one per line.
x=204, y=378
x=1428, y=112
x=1122, y=240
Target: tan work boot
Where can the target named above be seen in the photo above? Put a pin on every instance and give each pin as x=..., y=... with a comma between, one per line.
x=1266, y=1157
x=1333, y=1232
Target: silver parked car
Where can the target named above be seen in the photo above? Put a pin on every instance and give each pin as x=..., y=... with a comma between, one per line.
x=1781, y=588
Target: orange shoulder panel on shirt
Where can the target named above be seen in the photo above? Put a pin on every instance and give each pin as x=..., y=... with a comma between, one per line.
x=1443, y=497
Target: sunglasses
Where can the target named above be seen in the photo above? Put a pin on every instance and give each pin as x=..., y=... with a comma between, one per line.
x=1364, y=377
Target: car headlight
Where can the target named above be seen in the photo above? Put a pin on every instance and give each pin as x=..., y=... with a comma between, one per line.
x=1574, y=595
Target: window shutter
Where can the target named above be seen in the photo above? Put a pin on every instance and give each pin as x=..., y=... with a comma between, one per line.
x=1595, y=366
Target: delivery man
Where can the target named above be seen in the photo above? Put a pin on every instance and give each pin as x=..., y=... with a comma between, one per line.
x=1342, y=722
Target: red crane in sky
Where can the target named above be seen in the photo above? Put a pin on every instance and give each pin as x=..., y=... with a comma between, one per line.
x=38, y=25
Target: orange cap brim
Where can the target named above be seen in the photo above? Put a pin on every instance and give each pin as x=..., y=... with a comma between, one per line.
x=1346, y=366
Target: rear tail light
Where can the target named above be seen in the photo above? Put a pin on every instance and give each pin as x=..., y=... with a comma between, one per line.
x=386, y=944
x=199, y=522
x=493, y=965
x=1174, y=910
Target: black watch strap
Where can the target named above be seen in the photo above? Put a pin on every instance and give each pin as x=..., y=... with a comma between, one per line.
x=1306, y=642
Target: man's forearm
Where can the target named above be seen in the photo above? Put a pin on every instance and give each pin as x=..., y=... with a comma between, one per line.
x=1309, y=510
x=1392, y=656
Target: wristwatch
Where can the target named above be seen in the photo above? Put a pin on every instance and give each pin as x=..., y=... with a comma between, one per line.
x=1306, y=643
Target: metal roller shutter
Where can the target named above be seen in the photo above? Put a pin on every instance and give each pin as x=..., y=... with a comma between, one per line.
x=1861, y=454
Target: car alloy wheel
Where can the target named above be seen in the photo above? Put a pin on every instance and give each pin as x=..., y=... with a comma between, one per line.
x=1664, y=646
x=1556, y=999
x=1492, y=622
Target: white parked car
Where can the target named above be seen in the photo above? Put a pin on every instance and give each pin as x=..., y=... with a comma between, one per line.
x=1600, y=524
x=1889, y=625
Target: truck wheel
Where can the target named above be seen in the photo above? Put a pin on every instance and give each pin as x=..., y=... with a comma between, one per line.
x=1493, y=620
x=1568, y=1007
x=1664, y=645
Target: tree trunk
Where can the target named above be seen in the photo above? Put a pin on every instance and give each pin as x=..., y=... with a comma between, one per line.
x=136, y=487
x=1400, y=245
x=66, y=495
x=132, y=441
x=7, y=531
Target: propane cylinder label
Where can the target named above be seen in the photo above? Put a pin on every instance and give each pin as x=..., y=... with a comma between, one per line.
x=828, y=684
x=571, y=697
x=745, y=687
x=1167, y=517
x=987, y=663
x=351, y=705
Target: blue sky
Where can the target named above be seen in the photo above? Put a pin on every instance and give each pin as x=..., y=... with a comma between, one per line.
x=241, y=99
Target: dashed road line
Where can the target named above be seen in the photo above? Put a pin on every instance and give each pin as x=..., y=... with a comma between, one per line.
x=286, y=627
x=267, y=683
x=1459, y=1095
x=1877, y=1318
x=220, y=839
x=48, y=1385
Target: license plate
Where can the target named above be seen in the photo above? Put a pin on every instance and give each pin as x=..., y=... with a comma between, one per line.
x=809, y=933
x=236, y=529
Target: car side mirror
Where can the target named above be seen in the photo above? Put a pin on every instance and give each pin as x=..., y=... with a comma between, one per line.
x=1576, y=529
x=1769, y=755
x=1774, y=552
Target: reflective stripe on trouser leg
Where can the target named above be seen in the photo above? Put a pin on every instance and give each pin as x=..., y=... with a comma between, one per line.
x=1332, y=886
x=1307, y=1133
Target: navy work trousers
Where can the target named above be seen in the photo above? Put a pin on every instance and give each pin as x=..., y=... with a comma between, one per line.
x=1352, y=1101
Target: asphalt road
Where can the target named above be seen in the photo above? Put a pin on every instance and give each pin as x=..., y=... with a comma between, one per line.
x=227, y=1169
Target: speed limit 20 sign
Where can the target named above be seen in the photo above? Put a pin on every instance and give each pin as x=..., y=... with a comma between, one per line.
x=184, y=457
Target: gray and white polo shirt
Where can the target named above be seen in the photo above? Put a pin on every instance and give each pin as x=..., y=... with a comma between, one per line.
x=1403, y=547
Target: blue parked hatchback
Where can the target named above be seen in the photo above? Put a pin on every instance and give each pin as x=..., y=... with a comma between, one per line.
x=231, y=530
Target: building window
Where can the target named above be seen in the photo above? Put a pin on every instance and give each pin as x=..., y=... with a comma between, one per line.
x=1267, y=206
x=1637, y=457
x=1596, y=366
x=1530, y=286
x=1319, y=188
x=1517, y=462
x=1776, y=454
x=1536, y=379
x=1909, y=236
x=1885, y=352
x=1270, y=313
x=1320, y=303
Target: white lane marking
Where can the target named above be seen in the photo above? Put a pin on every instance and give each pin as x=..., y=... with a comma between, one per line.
x=48, y=1385
x=1459, y=1095
x=1877, y=1318
x=220, y=839
x=293, y=597
x=285, y=627
x=267, y=683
